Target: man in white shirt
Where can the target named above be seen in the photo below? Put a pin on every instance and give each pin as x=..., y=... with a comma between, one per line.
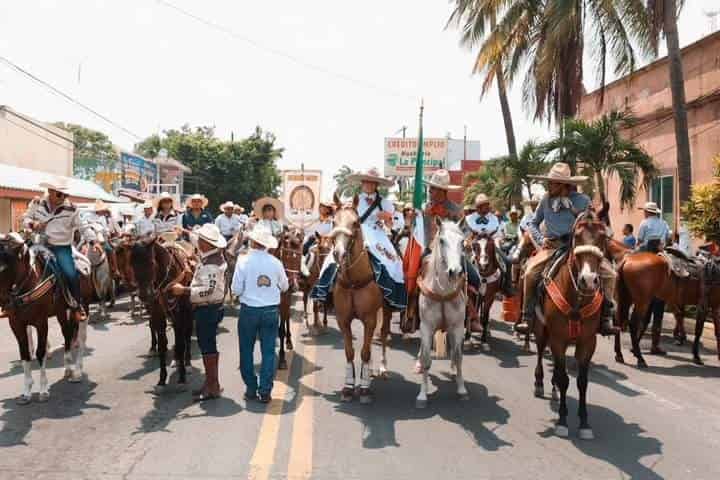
x=240, y=212
x=259, y=281
x=228, y=223
x=145, y=225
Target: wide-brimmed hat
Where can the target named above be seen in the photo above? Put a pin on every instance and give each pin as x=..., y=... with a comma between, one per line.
x=197, y=196
x=147, y=205
x=161, y=198
x=370, y=175
x=101, y=206
x=211, y=234
x=534, y=199
x=56, y=183
x=260, y=203
x=441, y=179
x=560, y=173
x=481, y=199
x=408, y=206
x=513, y=209
x=262, y=235
x=238, y=207
x=227, y=205
x=128, y=212
x=651, y=207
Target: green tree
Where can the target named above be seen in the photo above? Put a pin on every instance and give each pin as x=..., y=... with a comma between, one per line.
x=663, y=15
x=241, y=171
x=487, y=180
x=597, y=149
x=515, y=172
x=94, y=152
x=702, y=211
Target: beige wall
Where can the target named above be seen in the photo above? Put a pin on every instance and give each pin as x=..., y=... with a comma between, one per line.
x=5, y=215
x=28, y=143
x=647, y=94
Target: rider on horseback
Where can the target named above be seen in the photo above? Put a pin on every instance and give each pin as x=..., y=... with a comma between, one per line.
x=58, y=219
x=322, y=228
x=558, y=210
x=227, y=222
x=167, y=220
x=270, y=212
x=107, y=228
x=145, y=224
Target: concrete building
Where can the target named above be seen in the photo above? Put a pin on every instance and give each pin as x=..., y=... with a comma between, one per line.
x=647, y=94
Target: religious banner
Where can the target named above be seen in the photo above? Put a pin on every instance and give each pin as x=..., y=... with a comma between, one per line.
x=301, y=196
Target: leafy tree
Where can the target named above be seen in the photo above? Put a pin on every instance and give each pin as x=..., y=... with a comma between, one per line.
x=487, y=180
x=597, y=149
x=515, y=172
x=94, y=152
x=241, y=171
x=702, y=211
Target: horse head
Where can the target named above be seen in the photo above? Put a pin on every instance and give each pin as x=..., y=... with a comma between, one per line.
x=13, y=261
x=347, y=227
x=484, y=250
x=589, y=245
x=123, y=251
x=144, y=266
x=448, y=248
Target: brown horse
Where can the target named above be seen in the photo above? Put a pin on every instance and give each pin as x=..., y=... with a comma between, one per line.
x=156, y=267
x=234, y=248
x=29, y=295
x=526, y=248
x=356, y=295
x=289, y=252
x=645, y=275
x=485, y=258
x=318, y=253
x=572, y=310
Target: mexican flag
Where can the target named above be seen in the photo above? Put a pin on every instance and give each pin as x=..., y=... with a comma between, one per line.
x=416, y=246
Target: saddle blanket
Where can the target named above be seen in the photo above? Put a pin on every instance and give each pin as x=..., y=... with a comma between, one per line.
x=380, y=246
x=82, y=263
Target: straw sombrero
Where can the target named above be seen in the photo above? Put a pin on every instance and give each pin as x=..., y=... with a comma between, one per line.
x=238, y=207
x=651, y=207
x=197, y=196
x=161, y=198
x=481, y=199
x=56, y=183
x=262, y=235
x=370, y=175
x=227, y=205
x=211, y=234
x=101, y=206
x=279, y=207
x=441, y=179
x=560, y=173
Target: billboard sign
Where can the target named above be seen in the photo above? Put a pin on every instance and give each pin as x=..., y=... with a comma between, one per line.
x=137, y=172
x=301, y=196
x=400, y=154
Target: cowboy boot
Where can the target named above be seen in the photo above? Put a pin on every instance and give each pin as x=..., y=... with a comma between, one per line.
x=213, y=383
x=606, y=327
x=202, y=390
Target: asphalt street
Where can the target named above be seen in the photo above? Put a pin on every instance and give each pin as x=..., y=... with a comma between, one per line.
x=663, y=422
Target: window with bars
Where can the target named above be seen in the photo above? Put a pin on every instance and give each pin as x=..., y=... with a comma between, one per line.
x=662, y=192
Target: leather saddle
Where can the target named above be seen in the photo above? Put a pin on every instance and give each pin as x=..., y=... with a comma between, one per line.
x=682, y=265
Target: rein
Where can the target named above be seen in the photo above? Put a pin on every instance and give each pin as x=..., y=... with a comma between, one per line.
x=18, y=300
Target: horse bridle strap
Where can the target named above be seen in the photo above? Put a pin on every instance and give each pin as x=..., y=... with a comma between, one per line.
x=42, y=289
x=574, y=315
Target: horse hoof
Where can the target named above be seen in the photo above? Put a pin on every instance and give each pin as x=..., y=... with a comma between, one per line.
x=642, y=363
x=347, y=394
x=282, y=365
x=23, y=399
x=619, y=359
x=539, y=391
x=586, y=434
x=43, y=397
x=420, y=403
x=366, y=396
x=562, y=431
x=698, y=361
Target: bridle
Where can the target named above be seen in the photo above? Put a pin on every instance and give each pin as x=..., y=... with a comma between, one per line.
x=348, y=262
x=17, y=297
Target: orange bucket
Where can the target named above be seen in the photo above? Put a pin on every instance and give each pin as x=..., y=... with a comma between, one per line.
x=511, y=309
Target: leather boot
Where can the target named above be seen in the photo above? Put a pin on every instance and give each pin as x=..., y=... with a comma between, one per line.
x=202, y=390
x=606, y=327
x=656, y=335
x=213, y=383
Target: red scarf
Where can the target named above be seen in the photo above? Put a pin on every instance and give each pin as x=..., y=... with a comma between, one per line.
x=438, y=210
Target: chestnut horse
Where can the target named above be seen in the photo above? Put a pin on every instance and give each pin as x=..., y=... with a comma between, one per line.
x=318, y=253
x=356, y=295
x=526, y=248
x=571, y=311
x=123, y=251
x=156, y=267
x=29, y=296
x=485, y=258
x=289, y=252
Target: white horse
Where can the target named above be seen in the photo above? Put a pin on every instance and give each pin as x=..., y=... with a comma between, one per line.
x=442, y=304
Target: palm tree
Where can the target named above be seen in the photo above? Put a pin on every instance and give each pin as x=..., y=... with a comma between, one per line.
x=344, y=187
x=598, y=150
x=486, y=180
x=473, y=17
x=663, y=16
x=516, y=171
x=548, y=38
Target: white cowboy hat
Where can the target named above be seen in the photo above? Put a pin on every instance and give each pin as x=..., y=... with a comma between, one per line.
x=58, y=184
x=128, y=212
x=197, y=196
x=408, y=206
x=535, y=199
x=211, y=234
x=227, y=205
x=481, y=199
x=277, y=204
x=441, y=179
x=161, y=198
x=101, y=206
x=513, y=209
x=651, y=207
x=262, y=235
x=238, y=207
x=147, y=205
x=560, y=173
x=370, y=175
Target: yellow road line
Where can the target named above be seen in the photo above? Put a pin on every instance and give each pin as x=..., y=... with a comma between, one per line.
x=262, y=460
x=301, y=446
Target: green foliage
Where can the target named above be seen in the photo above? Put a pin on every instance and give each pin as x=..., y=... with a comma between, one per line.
x=702, y=212
x=347, y=189
x=94, y=151
x=240, y=171
x=487, y=180
x=598, y=150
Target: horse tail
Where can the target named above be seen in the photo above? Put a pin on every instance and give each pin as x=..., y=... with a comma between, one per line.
x=623, y=296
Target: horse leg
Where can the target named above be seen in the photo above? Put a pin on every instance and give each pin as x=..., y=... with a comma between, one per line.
x=20, y=331
x=619, y=358
x=541, y=343
x=485, y=319
x=325, y=320
x=159, y=324
x=288, y=334
x=699, y=327
x=41, y=355
x=425, y=360
x=179, y=328
x=583, y=354
x=456, y=350
x=561, y=379
x=349, y=387
x=635, y=319
x=282, y=362
x=31, y=342
x=366, y=395
x=716, y=323
x=81, y=333
x=384, y=332
x=679, y=333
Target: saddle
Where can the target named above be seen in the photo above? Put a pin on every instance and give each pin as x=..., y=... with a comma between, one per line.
x=681, y=265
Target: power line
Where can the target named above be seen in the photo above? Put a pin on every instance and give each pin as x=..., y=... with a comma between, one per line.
x=38, y=125
x=287, y=56
x=68, y=97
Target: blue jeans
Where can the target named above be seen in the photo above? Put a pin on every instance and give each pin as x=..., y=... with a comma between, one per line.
x=207, y=318
x=254, y=323
x=66, y=263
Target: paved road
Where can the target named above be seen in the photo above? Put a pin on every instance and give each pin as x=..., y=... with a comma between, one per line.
x=660, y=423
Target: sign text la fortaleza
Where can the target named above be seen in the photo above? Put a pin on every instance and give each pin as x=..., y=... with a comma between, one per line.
x=400, y=155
